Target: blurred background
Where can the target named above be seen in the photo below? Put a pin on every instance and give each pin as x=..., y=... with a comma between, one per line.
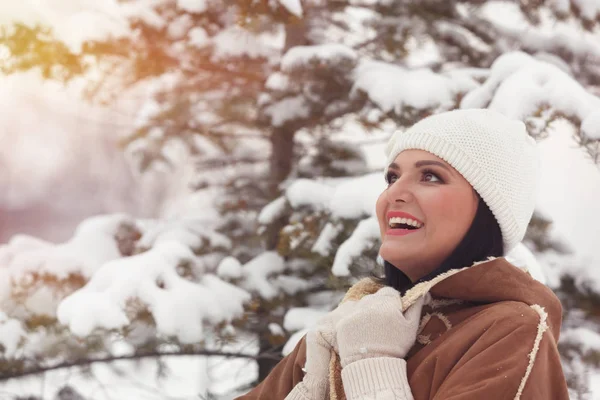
x=186, y=185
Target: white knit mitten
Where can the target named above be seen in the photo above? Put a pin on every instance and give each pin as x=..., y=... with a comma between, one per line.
x=376, y=327
x=320, y=341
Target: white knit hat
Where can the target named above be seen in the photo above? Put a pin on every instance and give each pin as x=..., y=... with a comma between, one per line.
x=492, y=152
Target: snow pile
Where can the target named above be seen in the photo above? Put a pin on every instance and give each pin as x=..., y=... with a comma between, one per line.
x=306, y=192
x=588, y=339
x=258, y=272
x=356, y=197
x=293, y=6
x=178, y=305
x=263, y=275
x=119, y=288
x=549, y=35
x=322, y=245
x=583, y=344
x=198, y=37
x=192, y=6
x=462, y=35
x=230, y=268
x=539, y=85
x=364, y=236
x=343, y=197
x=157, y=279
x=11, y=333
x=272, y=211
x=277, y=81
x=236, y=41
x=95, y=240
x=299, y=320
x=276, y=329
x=392, y=87
x=301, y=317
x=191, y=232
x=291, y=285
x=300, y=56
x=588, y=9
x=288, y=109
x=93, y=244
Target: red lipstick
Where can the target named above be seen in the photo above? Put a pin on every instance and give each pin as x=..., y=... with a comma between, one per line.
x=401, y=214
x=399, y=231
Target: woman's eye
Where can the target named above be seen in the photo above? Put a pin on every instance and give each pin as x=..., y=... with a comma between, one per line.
x=391, y=178
x=431, y=177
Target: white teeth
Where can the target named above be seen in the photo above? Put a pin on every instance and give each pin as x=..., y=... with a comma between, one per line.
x=407, y=221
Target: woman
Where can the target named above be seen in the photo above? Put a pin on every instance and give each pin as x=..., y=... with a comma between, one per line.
x=451, y=320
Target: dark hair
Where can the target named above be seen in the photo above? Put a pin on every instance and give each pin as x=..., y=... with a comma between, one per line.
x=482, y=240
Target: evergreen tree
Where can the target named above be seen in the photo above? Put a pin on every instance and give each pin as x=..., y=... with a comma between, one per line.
x=277, y=101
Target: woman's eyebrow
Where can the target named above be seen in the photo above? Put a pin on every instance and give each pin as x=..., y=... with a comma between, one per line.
x=424, y=163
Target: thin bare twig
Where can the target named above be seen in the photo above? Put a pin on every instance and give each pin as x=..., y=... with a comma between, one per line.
x=68, y=364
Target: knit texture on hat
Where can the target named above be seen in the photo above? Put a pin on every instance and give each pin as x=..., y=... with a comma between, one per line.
x=493, y=153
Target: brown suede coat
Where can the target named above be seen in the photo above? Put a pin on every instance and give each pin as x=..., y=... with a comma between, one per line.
x=489, y=332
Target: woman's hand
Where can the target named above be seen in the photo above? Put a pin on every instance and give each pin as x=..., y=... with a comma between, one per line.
x=320, y=342
x=376, y=327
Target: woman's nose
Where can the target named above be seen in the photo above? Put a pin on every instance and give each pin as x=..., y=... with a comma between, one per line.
x=400, y=192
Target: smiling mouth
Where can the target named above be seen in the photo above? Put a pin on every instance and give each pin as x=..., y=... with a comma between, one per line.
x=402, y=226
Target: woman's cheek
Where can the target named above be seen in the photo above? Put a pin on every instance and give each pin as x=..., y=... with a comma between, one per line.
x=443, y=211
x=447, y=201
x=380, y=213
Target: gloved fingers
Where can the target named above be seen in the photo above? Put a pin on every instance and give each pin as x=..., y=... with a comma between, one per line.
x=311, y=338
x=385, y=298
x=317, y=355
x=387, y=292
x=345, y=307
x=315, y=340
x=414, y=312
x=327, y=322
x=316, y=347
x=338, y=312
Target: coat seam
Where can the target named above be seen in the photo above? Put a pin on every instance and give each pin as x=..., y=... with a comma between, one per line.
x=441, y=303
x=541, y=328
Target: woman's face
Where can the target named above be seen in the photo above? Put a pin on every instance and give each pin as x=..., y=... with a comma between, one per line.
x=424, y=213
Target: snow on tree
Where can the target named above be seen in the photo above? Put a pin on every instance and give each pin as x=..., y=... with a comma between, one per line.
x=285, y=108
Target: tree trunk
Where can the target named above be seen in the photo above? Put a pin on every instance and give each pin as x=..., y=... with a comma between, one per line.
x=282, y=154
x=282, y=137
x=282, y=145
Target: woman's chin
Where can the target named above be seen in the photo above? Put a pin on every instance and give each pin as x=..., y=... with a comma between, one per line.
x=397, y=254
